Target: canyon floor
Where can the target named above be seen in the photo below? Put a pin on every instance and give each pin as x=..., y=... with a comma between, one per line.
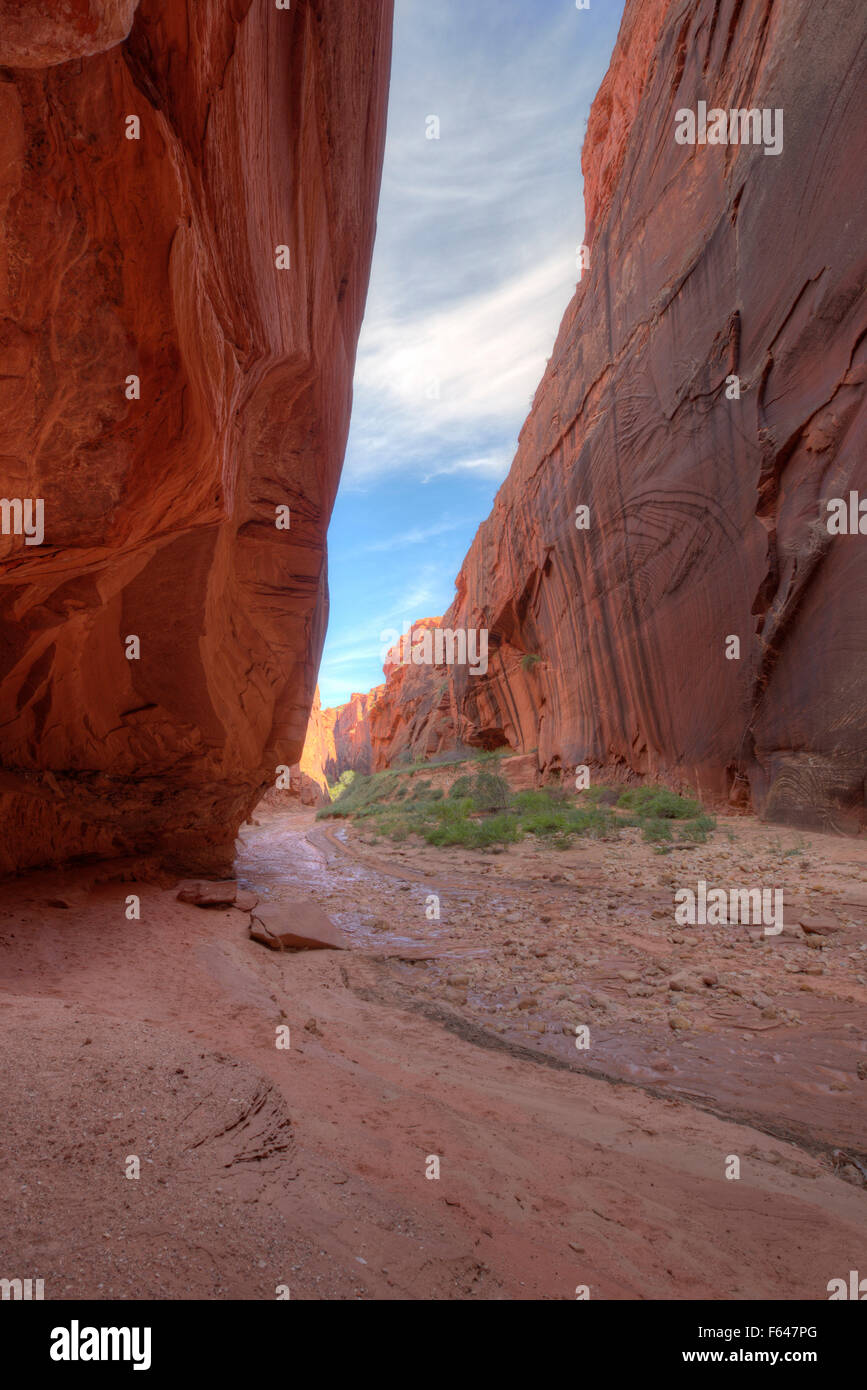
x=304, y=1169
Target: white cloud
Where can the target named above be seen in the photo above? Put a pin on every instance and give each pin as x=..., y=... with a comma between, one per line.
x=488, y=466
x=474, y=266
x=417, y=536
x=475, y=261
x=474, y=363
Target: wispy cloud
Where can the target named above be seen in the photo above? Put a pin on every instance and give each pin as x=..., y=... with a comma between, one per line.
x=474, y=265
x=428, y=384
x=416, y=536
x=478, y=230
x=488, y=466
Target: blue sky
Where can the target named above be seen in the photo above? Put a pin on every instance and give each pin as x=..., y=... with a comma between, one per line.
x=474, y=265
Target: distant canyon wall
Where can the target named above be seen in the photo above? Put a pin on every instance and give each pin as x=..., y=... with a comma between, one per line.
x=346, y=735
x=188, y=197
x=699, y=623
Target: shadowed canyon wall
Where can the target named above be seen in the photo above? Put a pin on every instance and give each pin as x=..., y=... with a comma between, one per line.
x=148, y=249
x=610, y=645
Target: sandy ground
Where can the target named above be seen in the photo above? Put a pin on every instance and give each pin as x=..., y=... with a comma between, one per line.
x=304, y=1169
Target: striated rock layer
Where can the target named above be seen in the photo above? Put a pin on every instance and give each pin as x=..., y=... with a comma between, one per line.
x=708, y=515
x=156, y=258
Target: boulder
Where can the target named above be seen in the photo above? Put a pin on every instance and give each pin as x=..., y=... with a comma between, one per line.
x=298, y=925
x=819, y=926
x=203, y=892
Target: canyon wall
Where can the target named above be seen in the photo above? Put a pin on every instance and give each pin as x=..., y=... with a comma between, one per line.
x=305, y=782
x=611, y=630
x=346, y=735
x=169, y=379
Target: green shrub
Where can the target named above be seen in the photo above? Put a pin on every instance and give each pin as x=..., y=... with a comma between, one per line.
x=481, y=810
x=658, y=803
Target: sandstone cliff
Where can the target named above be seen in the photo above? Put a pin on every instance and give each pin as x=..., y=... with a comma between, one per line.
x=346, y=735
x=308, y=784
x=707, y=515
x=165, y=387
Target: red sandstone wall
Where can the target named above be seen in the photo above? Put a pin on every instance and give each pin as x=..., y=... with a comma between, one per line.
x=346, y=735
x=707, y=514
x=156, y=258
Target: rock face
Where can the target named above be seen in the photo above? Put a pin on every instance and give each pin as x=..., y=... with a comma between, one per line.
x=346, y=734
x=170, y=378
x=310, y=770
x=65, y=30
x=610, y=645
x=308, y=784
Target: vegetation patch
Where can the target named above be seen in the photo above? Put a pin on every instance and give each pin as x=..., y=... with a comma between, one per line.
x=481, y=809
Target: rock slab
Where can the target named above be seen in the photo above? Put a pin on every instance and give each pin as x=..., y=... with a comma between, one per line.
x=296, y=926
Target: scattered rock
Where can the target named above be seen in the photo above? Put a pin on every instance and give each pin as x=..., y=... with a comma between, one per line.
x=685, y=982
x=819, y=926
x=203, y=892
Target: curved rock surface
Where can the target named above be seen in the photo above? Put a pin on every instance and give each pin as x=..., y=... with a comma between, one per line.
x=308, y=783
x=33, y=35
x=610, y=645
x=155, y=257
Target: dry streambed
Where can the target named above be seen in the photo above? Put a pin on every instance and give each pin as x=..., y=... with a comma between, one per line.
x=306, y=1168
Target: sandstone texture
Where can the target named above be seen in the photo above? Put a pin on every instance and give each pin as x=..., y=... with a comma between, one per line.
x=308, y=784
x=707, y=515
x=39, y=36
x=157, y=258
x=346, y=735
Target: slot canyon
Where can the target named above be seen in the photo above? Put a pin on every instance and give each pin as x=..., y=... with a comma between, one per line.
x=469, y=878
